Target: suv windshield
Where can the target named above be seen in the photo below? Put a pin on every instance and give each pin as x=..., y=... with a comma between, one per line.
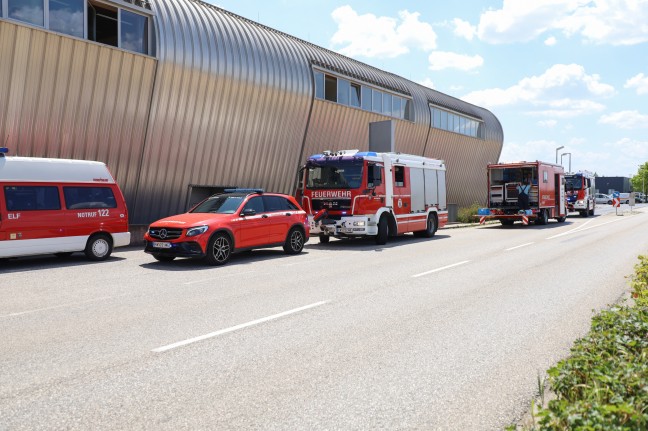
x=221, y=204
x=334, y=175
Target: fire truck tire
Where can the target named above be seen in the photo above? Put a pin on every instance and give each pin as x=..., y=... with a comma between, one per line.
x=98, y=247
x=592, y=210
x=219, y=249
x=430, y=229
x=294, y=241
x=543, y=218
x=324, y=239
x=163, y=257
x=383, y=231
x=561, y=219
x=507, y=222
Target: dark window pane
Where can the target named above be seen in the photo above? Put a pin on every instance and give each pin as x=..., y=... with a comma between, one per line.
x=409, y=110
x=32, y=198
x=29, y=11
x=330, y=86
x=89, y=197
x=319, y=85
x=134, y=32
x=66, y=16
x=102, y=24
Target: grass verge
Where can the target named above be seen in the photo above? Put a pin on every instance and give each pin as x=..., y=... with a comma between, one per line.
x=603, y=384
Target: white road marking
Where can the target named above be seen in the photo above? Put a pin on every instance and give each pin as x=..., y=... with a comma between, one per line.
x=237, y=327
x=440, y=269
x=582, y=228
x=519, y=246
x=70, y=304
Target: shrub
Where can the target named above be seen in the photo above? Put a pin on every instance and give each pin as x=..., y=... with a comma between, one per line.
x=603, y=384
x=465, y=214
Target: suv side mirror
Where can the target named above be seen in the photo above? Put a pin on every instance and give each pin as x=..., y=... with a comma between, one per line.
x=248, y=212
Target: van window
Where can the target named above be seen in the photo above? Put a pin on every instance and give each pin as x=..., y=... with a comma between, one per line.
x=89, y=197
x=32, y=198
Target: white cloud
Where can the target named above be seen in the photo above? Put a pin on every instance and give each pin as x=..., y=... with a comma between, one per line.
x=562, y=91
x=551, y=41
x=380, y=37
x=614, y=22
x=625, y=120
x=440, y=60
x=464, y=29
x=640, y=82
x=427, y=82
x=550, y=124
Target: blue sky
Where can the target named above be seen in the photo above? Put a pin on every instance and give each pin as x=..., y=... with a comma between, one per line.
x=570, y=73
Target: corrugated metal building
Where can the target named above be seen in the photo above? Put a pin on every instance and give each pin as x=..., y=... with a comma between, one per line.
x=179, y=98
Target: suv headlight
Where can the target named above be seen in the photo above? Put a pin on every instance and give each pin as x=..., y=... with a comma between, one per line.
x=197, y=230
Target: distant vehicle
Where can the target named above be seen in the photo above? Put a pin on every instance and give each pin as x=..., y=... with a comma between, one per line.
x=580, y=188
x=603, y=199
x=59, y=206
x=640, y=197
x=234, y=221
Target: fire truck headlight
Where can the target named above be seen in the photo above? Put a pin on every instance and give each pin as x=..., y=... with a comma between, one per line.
x=358, y=223
x=197, y=230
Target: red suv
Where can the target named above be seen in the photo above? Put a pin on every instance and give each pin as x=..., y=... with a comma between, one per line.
x=234, y=221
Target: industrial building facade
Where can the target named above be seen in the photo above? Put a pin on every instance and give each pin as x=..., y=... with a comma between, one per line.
x=181, y=98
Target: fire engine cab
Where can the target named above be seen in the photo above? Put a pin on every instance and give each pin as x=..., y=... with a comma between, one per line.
x=581, y=192
x=352, y=194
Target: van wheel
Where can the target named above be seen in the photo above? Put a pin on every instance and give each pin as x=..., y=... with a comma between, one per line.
x=383, y=231
x=219, y=249
x=294, y=241
x=543, y=218
x=163, y=257
x=324, y=239
x=99, y=247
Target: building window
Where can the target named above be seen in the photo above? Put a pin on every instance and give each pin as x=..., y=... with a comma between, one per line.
x=387, y=104
x=343, y=92
x=29, y=11
x=133, y=31
x=330, y=88
x=103, y=24
x=66, y=16
x=442, y=119
x=396, y=110
x=366, y=98
x=319, y=85
x=377, y=101
x=355, y=95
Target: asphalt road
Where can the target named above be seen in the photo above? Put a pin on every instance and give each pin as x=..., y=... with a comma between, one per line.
x=448, y=333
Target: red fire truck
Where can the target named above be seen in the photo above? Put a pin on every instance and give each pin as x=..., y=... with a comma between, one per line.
x=581, y=191
x=351, y=194
x=544, y=184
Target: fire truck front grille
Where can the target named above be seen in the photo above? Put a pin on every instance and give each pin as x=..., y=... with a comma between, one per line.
x=165, y=233
x=331, y=204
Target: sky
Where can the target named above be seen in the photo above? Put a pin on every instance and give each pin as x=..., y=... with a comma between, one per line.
x=570, y=73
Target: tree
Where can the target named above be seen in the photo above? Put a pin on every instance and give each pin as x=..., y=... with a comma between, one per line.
x=640, y=181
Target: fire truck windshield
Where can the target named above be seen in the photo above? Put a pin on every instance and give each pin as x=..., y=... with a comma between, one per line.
x=573, y=183
x=337, y=174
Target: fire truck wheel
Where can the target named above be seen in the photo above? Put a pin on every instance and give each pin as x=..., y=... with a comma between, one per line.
x=294, y=241
x=430, y=229
x=324, y=239
x=163, y=257
x=592, y=211
x=219, y=249
x=383, y=231
x=98, y=247
x=561, y=219
x=543, y=218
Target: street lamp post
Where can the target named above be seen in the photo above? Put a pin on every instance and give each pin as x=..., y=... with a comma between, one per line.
x=561, y=162
x=558, y=149
x=643, y=180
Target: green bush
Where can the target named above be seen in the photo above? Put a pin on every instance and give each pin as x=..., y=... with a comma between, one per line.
x=603, y=384
x=465, y=214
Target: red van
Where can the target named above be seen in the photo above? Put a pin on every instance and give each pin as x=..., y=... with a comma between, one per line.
x=59, y=206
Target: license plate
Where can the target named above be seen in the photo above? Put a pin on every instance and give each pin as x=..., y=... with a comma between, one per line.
x=161, y=245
